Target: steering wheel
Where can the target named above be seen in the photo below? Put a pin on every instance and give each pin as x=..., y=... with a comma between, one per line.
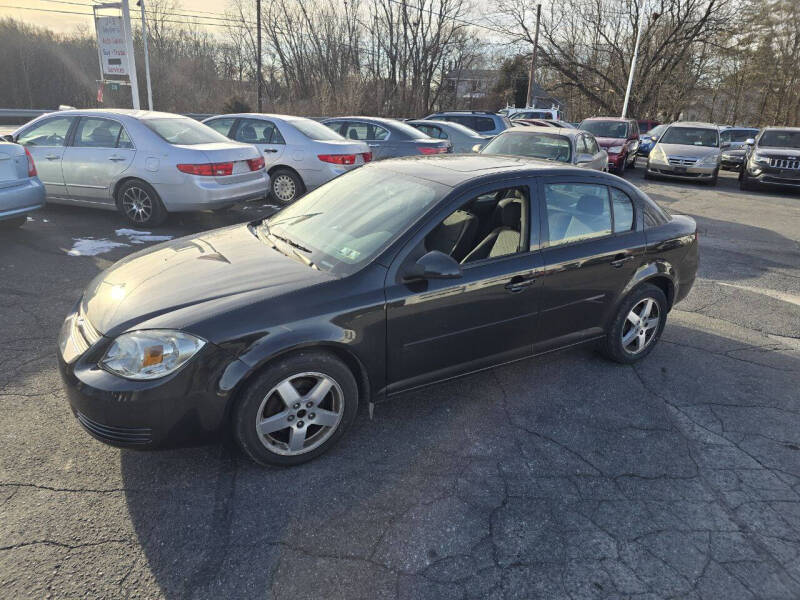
x=56, y=139
x=562, y=156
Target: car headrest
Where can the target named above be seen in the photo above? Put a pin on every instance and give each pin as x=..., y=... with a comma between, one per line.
x=591, y=204
x=510, y=212
x=102, y=134
x=248, y=132
x=352, y=134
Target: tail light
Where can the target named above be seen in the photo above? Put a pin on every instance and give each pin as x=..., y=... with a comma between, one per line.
x=433, y=149
x=367, y=156
x=31, y=164
x=256, y=163
x=208, y=169
x=339, y=159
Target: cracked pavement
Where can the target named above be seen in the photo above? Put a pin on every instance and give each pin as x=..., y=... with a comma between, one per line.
x=559, y=477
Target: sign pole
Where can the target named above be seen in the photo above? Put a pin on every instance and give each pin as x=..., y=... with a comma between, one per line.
x=126, y=21
x=633, y=60
x=146, y=58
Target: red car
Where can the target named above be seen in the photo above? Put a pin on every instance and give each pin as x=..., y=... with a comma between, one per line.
x=619, y=137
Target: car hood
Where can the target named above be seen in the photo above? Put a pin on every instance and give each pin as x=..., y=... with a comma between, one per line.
x=188, y=278
x=779, y=152
x=607, y=142
x=688, y=150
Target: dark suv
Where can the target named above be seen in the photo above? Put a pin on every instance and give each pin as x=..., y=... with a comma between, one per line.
x=773, y=158
x=484, y=122
x=619, y=137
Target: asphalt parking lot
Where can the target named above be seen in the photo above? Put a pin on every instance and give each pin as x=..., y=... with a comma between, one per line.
x=560, y=477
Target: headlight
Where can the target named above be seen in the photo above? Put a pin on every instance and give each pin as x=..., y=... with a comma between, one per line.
x=615, y=149
x=708, y=160
x=150, y=354
x=760, y=159
x=657, y=155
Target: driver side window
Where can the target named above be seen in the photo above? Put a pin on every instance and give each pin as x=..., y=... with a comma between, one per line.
x=487, y=226
x=51, y=133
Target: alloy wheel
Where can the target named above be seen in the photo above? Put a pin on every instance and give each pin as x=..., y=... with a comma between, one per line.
x=284, y=188
x=641, y=326
x=137, y=204
x=300, y=413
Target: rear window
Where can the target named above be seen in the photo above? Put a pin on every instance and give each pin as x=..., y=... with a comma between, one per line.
x=606, y=129
x=184, y=131
x=314, y=130
x=533, y=144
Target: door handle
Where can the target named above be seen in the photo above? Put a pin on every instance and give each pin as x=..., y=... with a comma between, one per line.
x=518, y=284
x=271, y=150
x=52, y=156
x=116, y=158
x=621, y=259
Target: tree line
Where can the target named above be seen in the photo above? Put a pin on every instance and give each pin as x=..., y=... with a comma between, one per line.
x=702, y=59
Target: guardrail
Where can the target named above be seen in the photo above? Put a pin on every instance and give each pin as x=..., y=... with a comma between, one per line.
x=32, y=113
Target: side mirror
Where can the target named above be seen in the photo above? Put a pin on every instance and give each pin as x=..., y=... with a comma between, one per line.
x=750, y=142
x=477, y=147
x=7, y=138
x=433, y=265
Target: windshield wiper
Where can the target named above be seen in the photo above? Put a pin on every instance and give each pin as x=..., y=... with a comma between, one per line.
x=292, y=243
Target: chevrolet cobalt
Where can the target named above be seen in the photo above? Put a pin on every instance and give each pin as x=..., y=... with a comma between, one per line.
x=393, y=276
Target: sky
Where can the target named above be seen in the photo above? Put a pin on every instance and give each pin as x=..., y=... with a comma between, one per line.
x=67, y=23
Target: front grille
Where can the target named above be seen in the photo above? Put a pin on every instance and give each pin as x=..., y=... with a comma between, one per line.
x=681, y=161
x=118, y=435
x=784, y=163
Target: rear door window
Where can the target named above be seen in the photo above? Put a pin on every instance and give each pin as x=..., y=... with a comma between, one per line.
x=623, y=210
x=576, y=212
x=257, y=131
x=483, y=124
x=93, y=132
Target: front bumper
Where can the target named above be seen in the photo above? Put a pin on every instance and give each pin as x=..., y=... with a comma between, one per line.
x=772, y=176
x=184, y=408
x=681, y=172
x=731, y=164
x=615, y=161
x=206, y=193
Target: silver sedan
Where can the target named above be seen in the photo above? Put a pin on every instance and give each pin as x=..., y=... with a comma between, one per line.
x=462, y=138
x=301, y=154
x=143, y=164
x=571, y=146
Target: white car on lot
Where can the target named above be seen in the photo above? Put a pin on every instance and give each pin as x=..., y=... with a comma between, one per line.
x=301, y=154
x=144, y=164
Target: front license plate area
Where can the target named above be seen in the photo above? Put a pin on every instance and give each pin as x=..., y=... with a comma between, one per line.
x=680, y=169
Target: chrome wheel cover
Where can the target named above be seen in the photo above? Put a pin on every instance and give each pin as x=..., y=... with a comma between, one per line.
x=284, y=188
x=641, y=325
x=137, y=204
x=300, y=413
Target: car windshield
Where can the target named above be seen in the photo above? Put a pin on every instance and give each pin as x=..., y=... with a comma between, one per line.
x=775, y=138
x=184, y=131
x=529, y=143
x=343, y=224
x=606, y=129
x=315, y=131
x=656, y=131
x=691, y=136
x=739, y=135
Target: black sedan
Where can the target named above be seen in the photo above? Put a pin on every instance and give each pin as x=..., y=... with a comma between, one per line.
x=396, y=275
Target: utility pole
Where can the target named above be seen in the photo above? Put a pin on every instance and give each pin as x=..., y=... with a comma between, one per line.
x=258, y=54
x=146, y=58
x=529, y=101
x=126, y=23
x=633, y=60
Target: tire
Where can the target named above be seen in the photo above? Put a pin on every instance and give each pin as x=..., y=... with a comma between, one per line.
x=286, y=186
x=632, y=164
x=713, y=181
x=745, y=183
x=14, y=223
x=139, y=203
x=614, y=346
x=262, y=402
x=647, y=174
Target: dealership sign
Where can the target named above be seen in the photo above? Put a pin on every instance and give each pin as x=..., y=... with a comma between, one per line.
x=111, y=45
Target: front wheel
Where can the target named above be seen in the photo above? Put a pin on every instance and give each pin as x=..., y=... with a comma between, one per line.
x=744, y=182
x=637, y=325
x=296, y=410
x=14, y=223
x=139, y=204
x=714, y=178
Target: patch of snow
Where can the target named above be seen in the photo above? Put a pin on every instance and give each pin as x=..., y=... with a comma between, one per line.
x=140, y=237
x=92, y=247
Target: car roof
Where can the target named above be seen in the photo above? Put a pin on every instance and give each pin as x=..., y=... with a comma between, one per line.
x=697, y=124
x=126, y=112
x=254, y=115
x=619, y=119
x=779, y=128
x=565, y=131
x=457, y=169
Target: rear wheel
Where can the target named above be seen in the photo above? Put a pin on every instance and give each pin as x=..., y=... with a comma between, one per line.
x=296, y=410
x=637, y=325
x=139, y=204
x=14, y=223
x=286, y=186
